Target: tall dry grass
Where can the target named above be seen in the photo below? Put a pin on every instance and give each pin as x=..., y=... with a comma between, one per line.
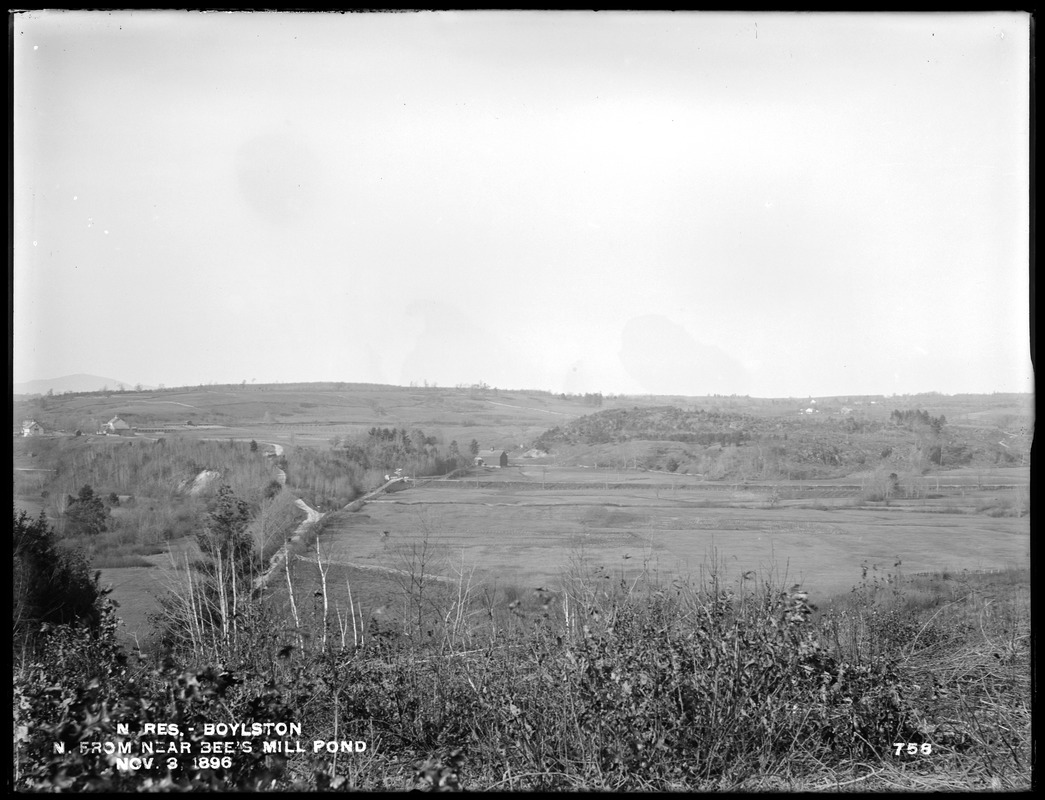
x=603, y=682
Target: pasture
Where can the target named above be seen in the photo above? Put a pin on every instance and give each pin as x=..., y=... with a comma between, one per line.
x=509, y=533
x=138, y=590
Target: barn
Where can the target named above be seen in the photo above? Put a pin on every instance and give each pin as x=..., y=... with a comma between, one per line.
x=118, y=427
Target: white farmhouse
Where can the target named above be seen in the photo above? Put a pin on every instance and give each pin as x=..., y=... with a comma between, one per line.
x=117, y=426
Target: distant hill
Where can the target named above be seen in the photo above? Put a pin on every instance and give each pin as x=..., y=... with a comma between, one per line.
x=989, y=431
x=72, y=383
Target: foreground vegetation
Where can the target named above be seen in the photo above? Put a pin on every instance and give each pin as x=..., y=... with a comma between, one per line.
x=600, y=684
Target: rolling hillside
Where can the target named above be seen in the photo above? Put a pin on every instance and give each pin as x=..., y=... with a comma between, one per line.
x=842, y=434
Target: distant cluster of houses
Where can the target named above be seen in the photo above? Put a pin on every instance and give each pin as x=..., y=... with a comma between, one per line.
x=114, y=427
x=844, y=411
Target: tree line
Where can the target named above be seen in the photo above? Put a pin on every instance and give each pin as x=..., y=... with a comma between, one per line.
x=913, y=419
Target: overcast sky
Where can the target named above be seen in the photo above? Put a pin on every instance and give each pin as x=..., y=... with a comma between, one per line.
x=754, y=203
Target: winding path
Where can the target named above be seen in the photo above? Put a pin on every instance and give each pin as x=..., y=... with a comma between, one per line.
x=299, y=541
x=294, y=546
x=313, y=516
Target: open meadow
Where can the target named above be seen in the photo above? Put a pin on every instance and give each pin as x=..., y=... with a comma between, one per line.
x=523, y=528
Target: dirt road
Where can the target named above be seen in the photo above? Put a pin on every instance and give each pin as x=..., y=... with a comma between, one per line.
x=295, y=545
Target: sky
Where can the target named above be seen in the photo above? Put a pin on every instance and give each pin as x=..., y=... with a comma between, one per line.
x=769, y=204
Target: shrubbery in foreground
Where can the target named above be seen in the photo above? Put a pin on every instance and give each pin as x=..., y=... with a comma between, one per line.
x=639, y=687
x=51, y=585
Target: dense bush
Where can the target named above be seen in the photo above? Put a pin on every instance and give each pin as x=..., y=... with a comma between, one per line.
x=51, y=584
x=325, y=478
x=915, y=419
x=225, y=538
x=632, y=687
x=86, y=514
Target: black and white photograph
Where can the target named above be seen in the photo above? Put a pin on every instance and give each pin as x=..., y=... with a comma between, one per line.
x=521, y=400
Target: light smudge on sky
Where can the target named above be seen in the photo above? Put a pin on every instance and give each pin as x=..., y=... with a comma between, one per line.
x=617, y=202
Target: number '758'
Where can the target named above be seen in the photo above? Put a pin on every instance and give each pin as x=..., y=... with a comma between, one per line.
x=912, y=749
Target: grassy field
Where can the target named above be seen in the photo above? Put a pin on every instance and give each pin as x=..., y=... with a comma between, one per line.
x=507, y=534
x=513, y=530
x=138, y=589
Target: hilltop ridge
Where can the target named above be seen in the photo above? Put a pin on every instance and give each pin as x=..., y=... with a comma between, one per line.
x=80, y=382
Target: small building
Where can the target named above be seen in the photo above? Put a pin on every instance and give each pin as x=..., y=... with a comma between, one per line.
x=31, y=427
x=117, y=426
x=504, y=458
